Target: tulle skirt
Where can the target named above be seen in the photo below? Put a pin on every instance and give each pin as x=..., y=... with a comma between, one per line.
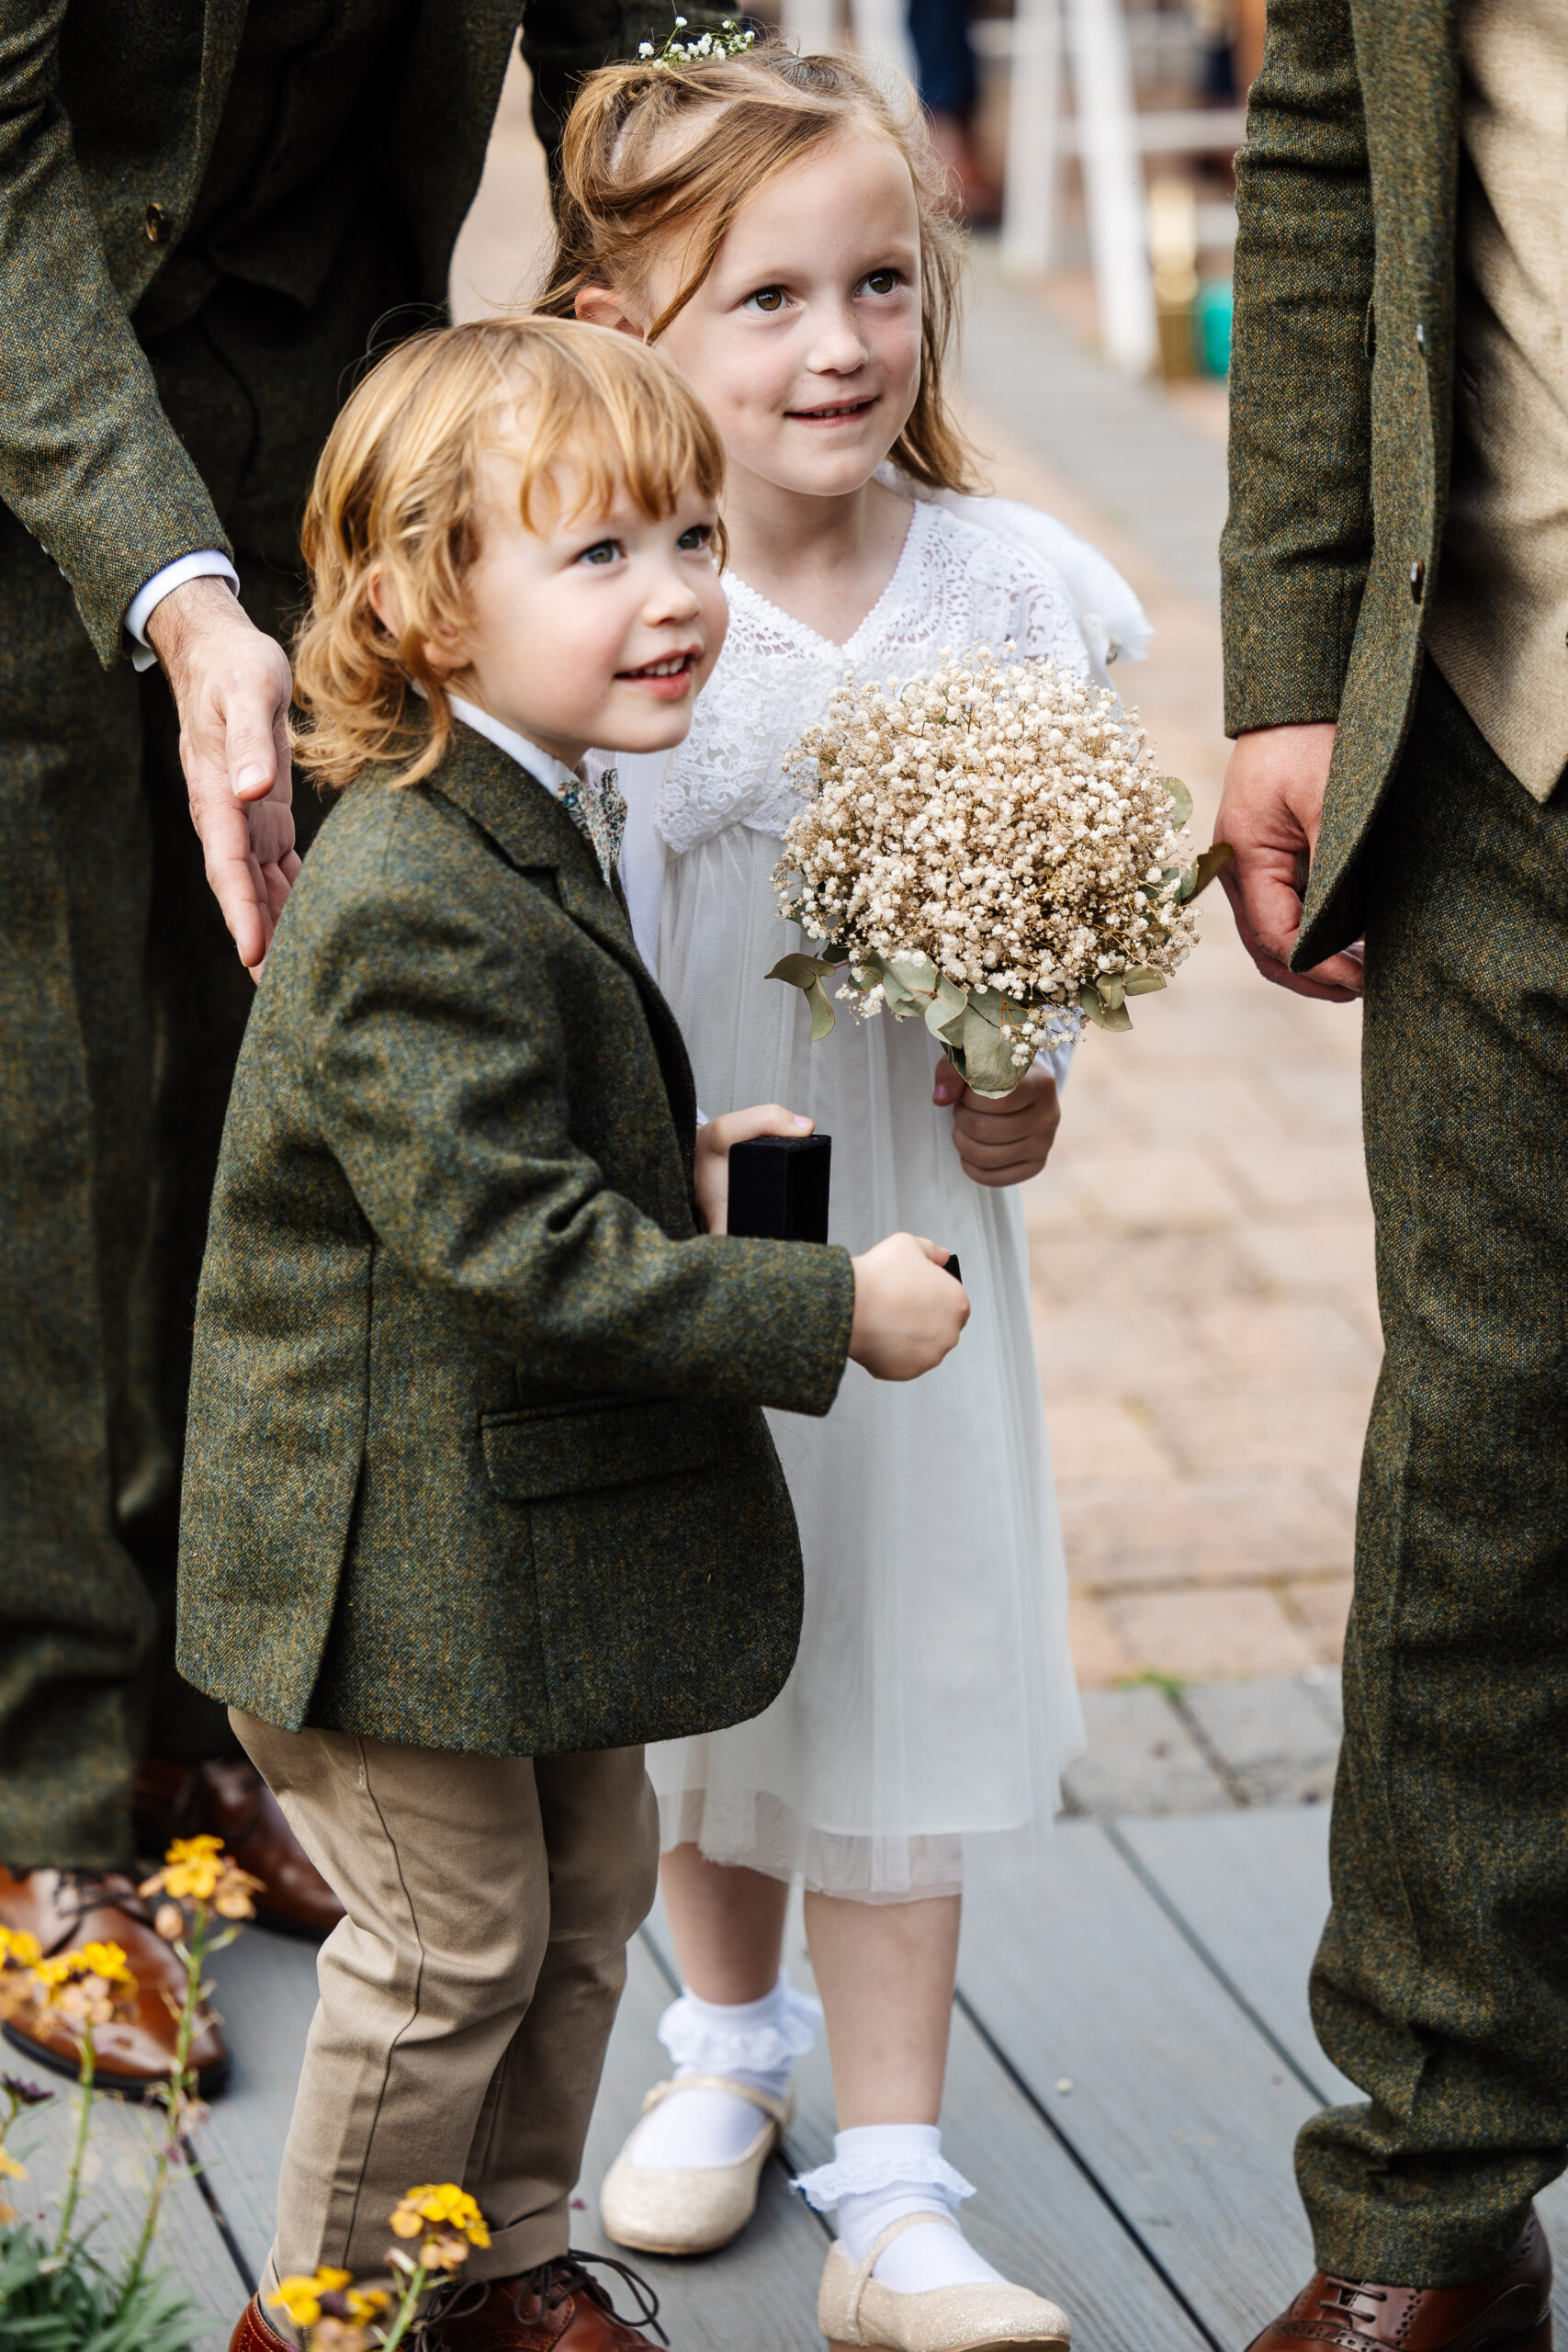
x=917, y=1745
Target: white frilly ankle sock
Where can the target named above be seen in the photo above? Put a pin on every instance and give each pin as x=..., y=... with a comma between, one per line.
x=751, y=2042
x=880, y=2172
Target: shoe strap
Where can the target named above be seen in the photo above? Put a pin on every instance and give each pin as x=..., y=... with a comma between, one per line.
x=879, y=2245
x=779, y=2109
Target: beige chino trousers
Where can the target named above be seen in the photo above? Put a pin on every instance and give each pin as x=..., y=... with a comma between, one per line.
x=468, y=1997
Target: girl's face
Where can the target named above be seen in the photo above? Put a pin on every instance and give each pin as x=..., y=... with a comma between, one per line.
x=804, y=337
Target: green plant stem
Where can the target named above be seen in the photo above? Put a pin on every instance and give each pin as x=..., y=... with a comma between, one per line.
x=179, y=2086
x=418, y=2279
x=79, y=2150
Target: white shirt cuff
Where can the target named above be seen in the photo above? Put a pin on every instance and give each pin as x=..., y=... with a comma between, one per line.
x=205, y=564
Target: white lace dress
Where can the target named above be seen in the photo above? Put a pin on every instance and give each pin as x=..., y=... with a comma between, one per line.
x=917, y=1744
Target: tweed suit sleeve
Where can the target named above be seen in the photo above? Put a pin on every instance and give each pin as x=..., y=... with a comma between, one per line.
x=1295, y=548
x=440, y=1080
x=88, y=461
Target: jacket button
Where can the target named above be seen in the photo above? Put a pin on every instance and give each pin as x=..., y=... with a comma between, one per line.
x=1417, y=580
x=158, y=225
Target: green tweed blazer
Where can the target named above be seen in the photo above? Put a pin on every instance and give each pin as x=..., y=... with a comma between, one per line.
x=1341, y=396
x=474, y=1459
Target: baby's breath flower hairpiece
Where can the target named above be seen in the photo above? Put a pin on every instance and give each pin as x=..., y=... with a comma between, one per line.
x=990, y=850
x=730, y=41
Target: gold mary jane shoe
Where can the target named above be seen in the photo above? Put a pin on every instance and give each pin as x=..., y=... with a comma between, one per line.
x=690, y=2208
x=854, y=2310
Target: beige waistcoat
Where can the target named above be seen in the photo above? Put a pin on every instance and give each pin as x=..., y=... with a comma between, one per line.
x=1499, y=623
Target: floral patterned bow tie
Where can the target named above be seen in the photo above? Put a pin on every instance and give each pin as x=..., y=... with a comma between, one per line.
x=598, y=811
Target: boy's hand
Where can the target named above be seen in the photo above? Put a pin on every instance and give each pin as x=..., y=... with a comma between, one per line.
x=1006, y=1141
x=711, y=1181
x=908, y=1312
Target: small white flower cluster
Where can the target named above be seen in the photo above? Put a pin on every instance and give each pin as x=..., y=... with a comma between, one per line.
x=1003, y=823
x=728, y=42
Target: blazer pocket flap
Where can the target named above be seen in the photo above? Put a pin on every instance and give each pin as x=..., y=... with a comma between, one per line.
x=577, y=1449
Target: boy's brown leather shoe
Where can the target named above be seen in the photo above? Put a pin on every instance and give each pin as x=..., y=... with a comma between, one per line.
x=66, y=1910
x=254, y=2334
x=555, y=2307
x=229, y=1799
x=1509, y=2310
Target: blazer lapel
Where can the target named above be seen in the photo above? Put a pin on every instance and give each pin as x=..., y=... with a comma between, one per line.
x=223, y=29
x=528, y=825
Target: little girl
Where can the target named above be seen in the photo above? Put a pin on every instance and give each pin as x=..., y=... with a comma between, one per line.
x=774, y=223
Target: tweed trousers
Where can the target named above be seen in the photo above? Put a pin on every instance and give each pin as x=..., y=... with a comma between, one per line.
x=122, y=1005
x=467, y=1995
x=1440, y=1987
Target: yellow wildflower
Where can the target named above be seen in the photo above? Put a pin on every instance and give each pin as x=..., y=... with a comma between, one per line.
x=451, y=2209
x=87, y=1986
x=19, y=1948
x=197, y=1870
x=9, y=2169
x=302, y=2297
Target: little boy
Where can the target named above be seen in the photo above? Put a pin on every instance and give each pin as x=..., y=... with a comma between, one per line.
x=477, y=1494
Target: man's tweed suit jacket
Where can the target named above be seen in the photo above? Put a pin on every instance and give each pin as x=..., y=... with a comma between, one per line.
x=475, y=1460
x=108, y=109
x=1341, y=396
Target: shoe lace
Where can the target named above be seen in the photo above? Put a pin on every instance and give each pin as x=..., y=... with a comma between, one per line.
x=83, y=1891
x=553, y=2281
x=1344, y=2301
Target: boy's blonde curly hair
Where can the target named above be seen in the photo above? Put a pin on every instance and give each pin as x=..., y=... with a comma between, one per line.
x=399, y=494
x=663, y=150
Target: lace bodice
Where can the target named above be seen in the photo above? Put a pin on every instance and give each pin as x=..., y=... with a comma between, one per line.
x=955, y=584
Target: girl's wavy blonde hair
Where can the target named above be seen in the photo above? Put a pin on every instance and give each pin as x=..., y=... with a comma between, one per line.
x=670, y=152
x=399, y=490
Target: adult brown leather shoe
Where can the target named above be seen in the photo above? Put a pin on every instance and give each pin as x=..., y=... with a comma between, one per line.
x=66, y=1910
x=229, y=1799
x=555, y=2307
x=1508, y=2311
x=253, y=2332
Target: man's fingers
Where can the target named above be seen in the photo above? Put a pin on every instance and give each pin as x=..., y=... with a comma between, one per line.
x=1337, y=981
x=253, y=709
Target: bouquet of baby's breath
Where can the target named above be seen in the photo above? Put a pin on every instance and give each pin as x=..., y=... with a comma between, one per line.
x=990, y=850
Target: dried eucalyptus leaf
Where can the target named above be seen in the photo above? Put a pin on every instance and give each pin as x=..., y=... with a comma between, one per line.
x=1214, y=860
x=988, y=1056
x=1140, y=981
x=821, y=1010
x=1112, y=988
x=799, y=971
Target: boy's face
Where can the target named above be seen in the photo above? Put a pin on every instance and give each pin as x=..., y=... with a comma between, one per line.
x=600, y=630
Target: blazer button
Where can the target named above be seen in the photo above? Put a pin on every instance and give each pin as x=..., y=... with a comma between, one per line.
x=1417, y=580
x=158, y=225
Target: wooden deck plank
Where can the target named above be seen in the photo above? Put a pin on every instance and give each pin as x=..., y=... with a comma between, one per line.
x=1253, y=1888
x=120, y=2166
x=267, y=1998
x=1036, y=2217
x=1179, y=2105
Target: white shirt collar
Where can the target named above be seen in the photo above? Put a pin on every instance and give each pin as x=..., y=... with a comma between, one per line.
x=543, y=764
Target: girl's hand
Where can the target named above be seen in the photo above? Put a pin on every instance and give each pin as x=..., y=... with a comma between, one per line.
x=1007, y=1140
x=711, y=1181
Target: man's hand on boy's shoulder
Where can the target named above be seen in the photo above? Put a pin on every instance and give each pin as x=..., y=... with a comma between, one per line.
x=231, y=688
x=714, y=1140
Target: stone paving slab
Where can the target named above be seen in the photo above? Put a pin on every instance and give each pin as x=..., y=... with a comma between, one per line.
x=1166, y=1746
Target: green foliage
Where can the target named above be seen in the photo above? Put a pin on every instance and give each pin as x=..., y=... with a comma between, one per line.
x=70, y=2303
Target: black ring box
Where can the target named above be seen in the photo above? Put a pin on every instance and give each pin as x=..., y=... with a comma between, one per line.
x=778, y=1187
